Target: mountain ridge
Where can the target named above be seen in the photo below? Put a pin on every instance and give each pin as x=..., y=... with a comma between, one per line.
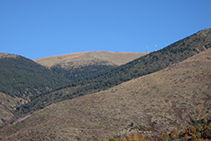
x=7, y=55
x=78, y=65
x=112, y=58
x=155, y=61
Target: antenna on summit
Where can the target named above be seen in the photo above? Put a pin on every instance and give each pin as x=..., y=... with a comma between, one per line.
x=147, y=49
x=155, y=47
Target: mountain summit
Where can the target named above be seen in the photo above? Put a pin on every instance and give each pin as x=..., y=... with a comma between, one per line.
x=75, y=60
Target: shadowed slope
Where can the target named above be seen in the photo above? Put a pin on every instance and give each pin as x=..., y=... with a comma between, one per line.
x=22, y=77
x=157, y=102
x=78, y=65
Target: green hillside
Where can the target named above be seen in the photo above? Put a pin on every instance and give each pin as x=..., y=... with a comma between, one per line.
x=22, y=77
x=147, y=64
x=83, y=71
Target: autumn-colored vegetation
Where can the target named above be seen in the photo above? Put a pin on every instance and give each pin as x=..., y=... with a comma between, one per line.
x=200, y=130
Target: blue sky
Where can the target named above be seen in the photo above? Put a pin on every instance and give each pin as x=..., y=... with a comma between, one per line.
x=41, y=28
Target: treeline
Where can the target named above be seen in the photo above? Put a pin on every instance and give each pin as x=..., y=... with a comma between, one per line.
x=147, y=64
x=23, y=77
x=200, y=130
x=81, y=71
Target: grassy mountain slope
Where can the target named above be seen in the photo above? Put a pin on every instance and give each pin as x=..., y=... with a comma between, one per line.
x=21, y=77
x=147, y=64
x=158, y=102
x=75, y=60
x=77, y=65
x=7, y=105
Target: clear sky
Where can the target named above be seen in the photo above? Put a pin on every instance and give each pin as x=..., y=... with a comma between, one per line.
x=41, y=28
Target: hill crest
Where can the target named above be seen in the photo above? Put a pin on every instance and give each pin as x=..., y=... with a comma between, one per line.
x=89, y=58
x=7, y=55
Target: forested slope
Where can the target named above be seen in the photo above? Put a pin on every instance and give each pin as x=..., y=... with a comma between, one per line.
x=22, y=77
x=73, y=73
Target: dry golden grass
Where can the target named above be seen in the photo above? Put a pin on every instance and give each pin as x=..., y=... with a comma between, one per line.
x=89, y=58
x=4, y=55
x=159, y=102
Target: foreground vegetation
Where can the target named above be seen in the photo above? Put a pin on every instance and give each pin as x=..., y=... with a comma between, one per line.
x=200, y=130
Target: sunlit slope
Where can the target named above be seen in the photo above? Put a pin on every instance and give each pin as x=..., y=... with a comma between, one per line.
x=157, y=102
x=75, y=60
x=7, y=105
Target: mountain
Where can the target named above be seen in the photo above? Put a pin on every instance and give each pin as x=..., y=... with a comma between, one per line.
x=23, y=78
x=144, y=65
x=78, y=65
x=75, y=60
x=168, y=99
